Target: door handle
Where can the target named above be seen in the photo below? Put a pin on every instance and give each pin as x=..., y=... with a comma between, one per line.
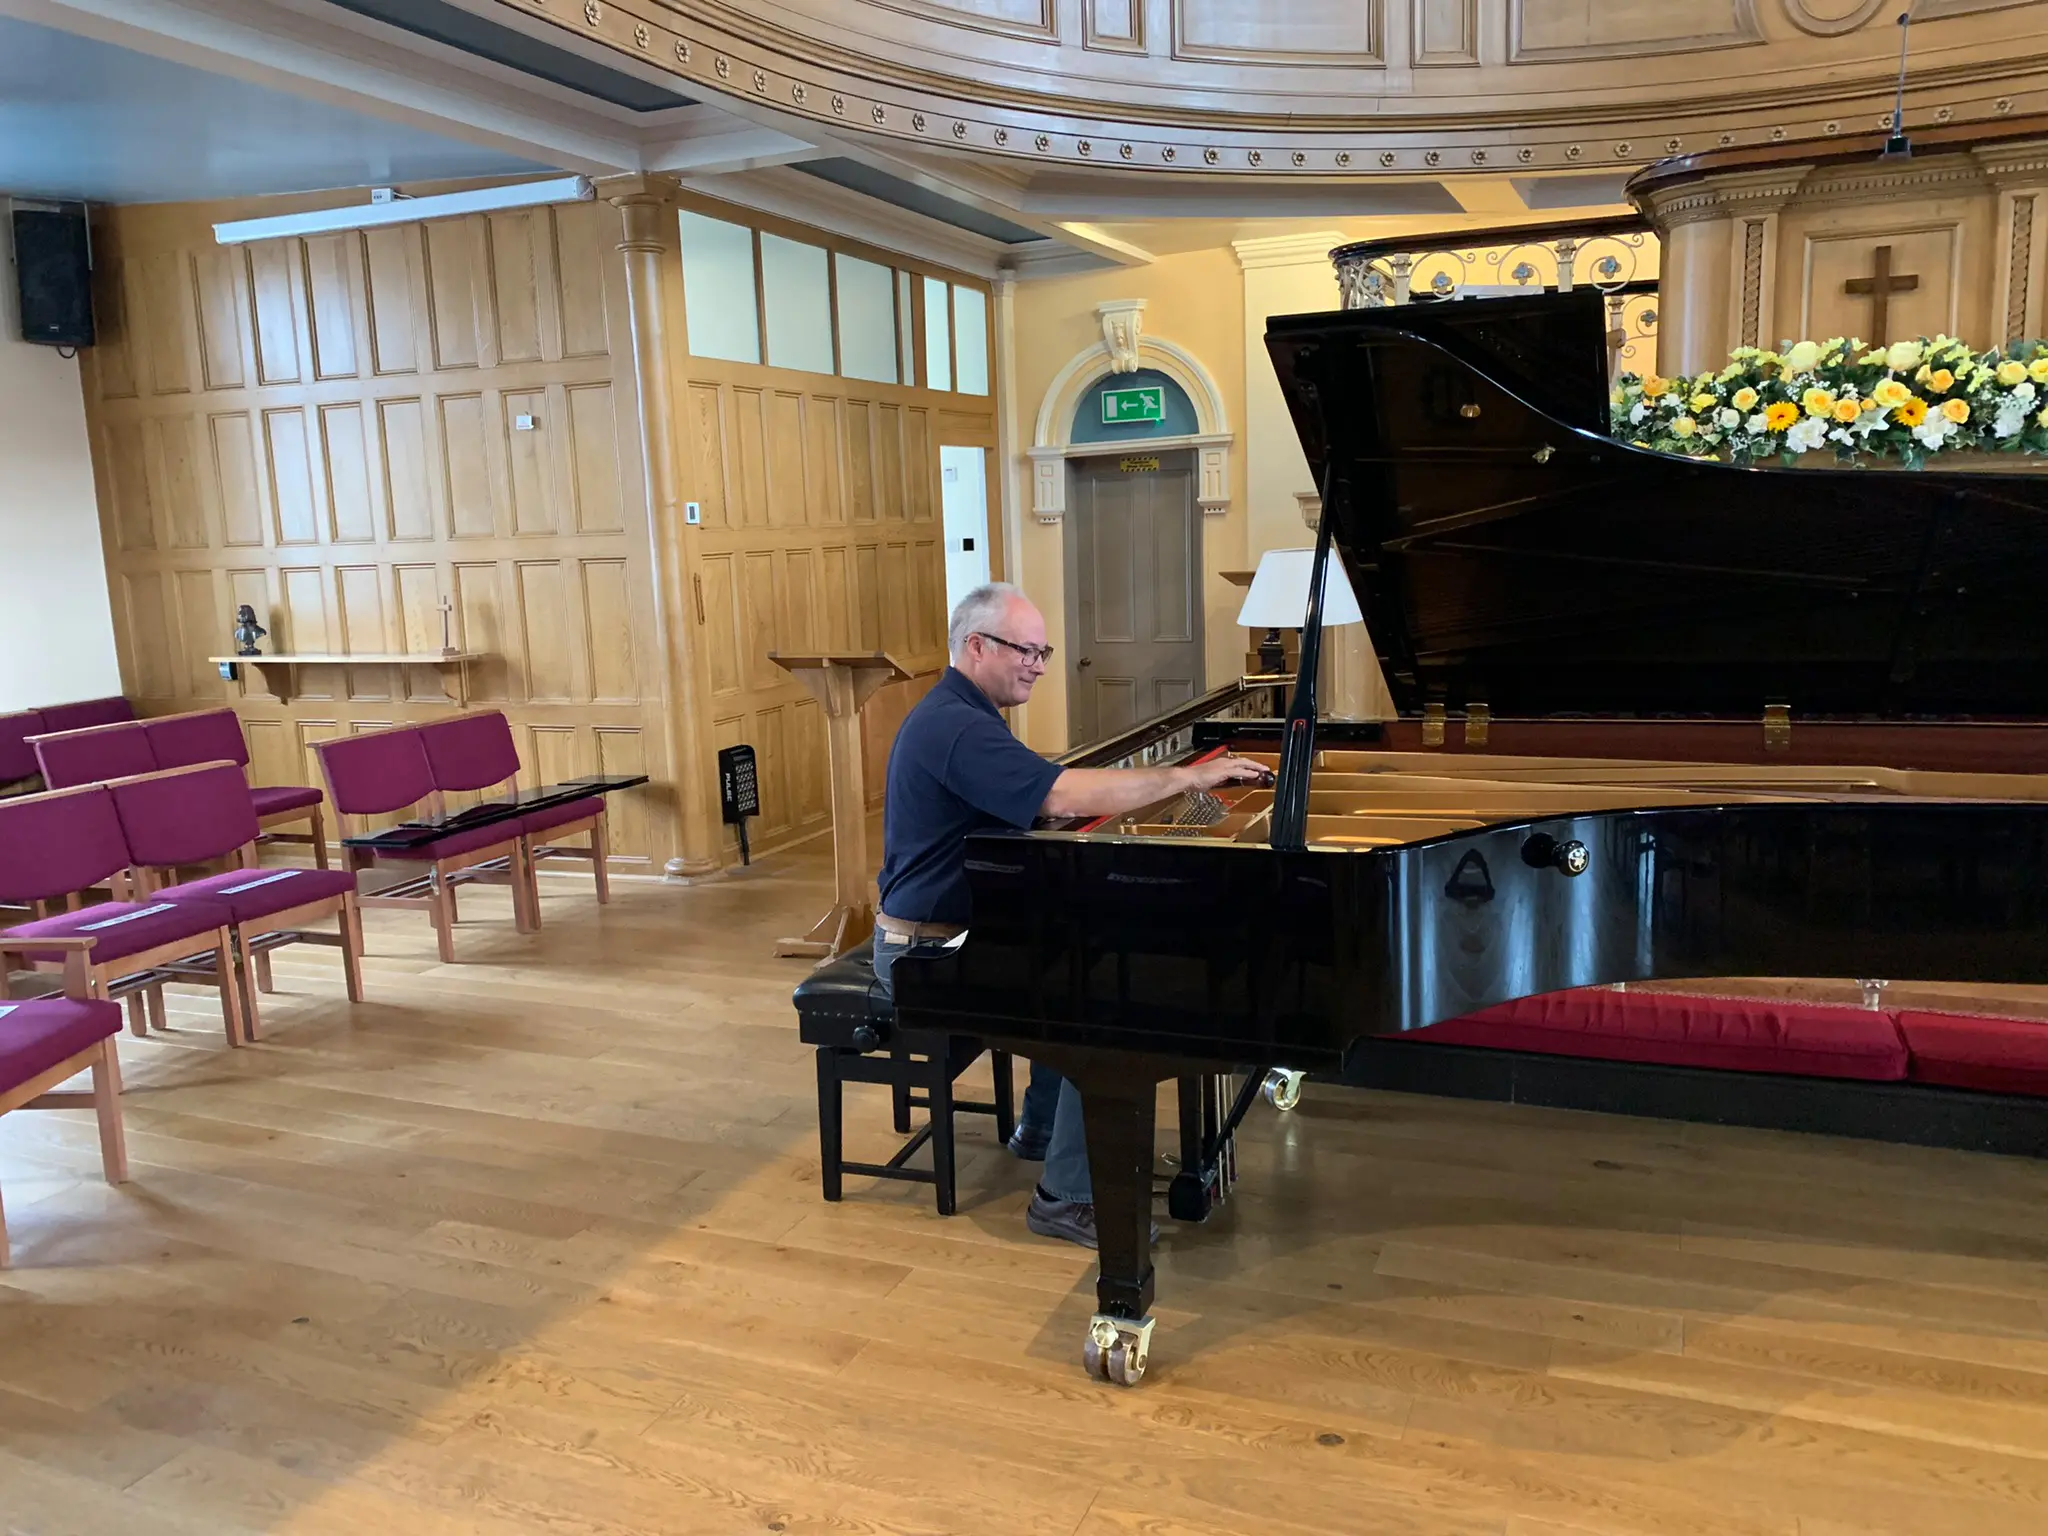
x=1084, y=663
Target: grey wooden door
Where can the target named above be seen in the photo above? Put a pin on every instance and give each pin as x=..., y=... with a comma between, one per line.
x=1133, y=644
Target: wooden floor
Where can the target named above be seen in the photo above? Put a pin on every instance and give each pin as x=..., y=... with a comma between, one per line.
x=533, y=1243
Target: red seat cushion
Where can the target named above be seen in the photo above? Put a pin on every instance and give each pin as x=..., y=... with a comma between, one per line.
x=35, y=1037
x=1739, y=1034
x=124, y=928
x=253, y=893
x=457, y=842
x=561, y=815
x=269, y=799
x=1971, y=1051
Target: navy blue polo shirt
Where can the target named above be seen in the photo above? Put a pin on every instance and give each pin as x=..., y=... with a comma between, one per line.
x=955, y=769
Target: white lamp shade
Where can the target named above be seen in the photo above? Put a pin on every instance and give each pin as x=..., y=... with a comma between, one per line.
x=1278, y=598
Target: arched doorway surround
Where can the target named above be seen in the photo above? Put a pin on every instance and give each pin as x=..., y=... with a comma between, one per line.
x=1125, y=348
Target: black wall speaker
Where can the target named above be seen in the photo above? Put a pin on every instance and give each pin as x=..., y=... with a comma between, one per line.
x=53, y=265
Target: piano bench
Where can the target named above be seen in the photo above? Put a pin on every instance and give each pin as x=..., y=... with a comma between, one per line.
x=842, y=1012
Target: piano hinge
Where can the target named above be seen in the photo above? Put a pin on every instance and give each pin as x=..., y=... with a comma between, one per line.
x=1478, y=717
x=1777, y=727
x=1432, y=725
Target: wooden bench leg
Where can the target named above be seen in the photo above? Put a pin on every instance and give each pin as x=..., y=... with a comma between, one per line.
x=138, y=1016
x=831, y=1140
x=601, y=858
x=443, y=913
x=159, y=1019
x=351, y=925
x=106, y=1104
x=260, y=961
x=319, y=826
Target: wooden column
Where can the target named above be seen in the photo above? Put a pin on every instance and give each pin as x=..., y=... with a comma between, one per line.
x=842, y=682
x=649, y=235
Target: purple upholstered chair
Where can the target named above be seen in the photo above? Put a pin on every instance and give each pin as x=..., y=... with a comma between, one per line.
x=53, y=846
x=92, y=754
x=378, y=772
x=49, y=1041
x=215, y=736
x=87, y=713
x=17, y=757
x=476, y=751
x=201, y=815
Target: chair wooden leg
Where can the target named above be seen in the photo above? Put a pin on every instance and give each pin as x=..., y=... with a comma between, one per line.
x=138, y=1019
x=260, y=961
x=159, y=1019
x=1004, y=1100
x=831, y=1142
x=106, y=1104
x=6, y=1259
x=525, y=887
x=239, y=1029
x=443, y=911
x=318, y=822
x=351, y=925
x=454, y=903
x=601, y=858
x=245, y=988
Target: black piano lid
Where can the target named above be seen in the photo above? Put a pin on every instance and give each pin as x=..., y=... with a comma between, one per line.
x=1508, y=551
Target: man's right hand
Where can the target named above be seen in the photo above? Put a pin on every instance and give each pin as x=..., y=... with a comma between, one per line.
x=1227, y=769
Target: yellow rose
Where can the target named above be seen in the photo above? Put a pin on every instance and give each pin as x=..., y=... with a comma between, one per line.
x=1654, y=386
x=2042, y=419
x=1901, y=355
x=1781, y=415
x=1957, y=411
x=1911, y=411
x=2037, y=370
x=1745, y=398
x=1803, y=357
x=1941, y=381
x=1818, y=402
x=1704, y=401
x=1848, y=410
x=1685, y=426
x=1891, y=394
x=2012, y=373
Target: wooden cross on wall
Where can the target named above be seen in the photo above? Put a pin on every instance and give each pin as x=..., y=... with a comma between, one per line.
x=1879, y=288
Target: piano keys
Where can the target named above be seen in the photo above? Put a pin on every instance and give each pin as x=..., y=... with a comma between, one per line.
x=1667, y=645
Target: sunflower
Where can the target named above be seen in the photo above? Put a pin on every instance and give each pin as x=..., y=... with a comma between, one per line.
x=1781, y=414
x=1910, y=412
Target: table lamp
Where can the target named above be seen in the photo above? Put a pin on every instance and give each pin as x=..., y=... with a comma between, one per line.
x=1278, y=600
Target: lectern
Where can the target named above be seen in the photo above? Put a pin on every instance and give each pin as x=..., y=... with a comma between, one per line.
x=842, y=682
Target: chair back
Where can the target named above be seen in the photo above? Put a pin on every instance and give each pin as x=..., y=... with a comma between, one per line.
x=54, y=844
x=470, y=751
x=185, y=815
x=375, y=772
x=17, y=757
x=86, y=713
x=93, y=755
x=203, y=736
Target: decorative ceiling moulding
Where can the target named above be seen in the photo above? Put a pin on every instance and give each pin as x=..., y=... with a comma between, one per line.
x=1831, y=18
x=1546, y=31
x=1113, y=26
x=1036, y=20
x=1302, y=33
x=1443, y=33
x=772, y=69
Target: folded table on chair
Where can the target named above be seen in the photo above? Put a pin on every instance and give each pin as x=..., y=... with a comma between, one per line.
x=522, y=805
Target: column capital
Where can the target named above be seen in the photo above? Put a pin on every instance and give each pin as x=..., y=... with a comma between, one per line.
x=642, y=200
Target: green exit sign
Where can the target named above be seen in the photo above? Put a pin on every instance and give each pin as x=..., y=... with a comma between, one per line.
x=1121, y=407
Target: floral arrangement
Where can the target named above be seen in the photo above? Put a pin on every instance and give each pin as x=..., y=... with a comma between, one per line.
x=1907, y=401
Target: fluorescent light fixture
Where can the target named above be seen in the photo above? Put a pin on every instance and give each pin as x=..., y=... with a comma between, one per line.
x=408, y=210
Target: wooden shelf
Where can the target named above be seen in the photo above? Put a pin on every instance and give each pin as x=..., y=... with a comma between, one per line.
x=280, y=672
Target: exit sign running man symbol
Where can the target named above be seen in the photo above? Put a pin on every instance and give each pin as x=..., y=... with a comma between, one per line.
x=1122, y=406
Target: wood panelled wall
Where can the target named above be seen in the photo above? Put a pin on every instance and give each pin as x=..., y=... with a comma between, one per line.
x=821, y=531
x=344, y=432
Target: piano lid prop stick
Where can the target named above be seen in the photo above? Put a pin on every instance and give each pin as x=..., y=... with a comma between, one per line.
x=1298, y=741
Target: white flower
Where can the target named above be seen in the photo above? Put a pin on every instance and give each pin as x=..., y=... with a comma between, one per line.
x=2011, y=418
x=1807, y=434
x=1904, y=356
x=1726, y=419
x=1934, y=431
x=2024, y=393
x=1637, y=413
x=1758, y=423
x=1803, y=358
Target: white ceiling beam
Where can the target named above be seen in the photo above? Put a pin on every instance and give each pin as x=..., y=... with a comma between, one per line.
x=706, y=141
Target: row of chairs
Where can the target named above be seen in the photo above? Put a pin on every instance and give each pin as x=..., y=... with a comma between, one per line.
x=18, y=771
x=123, y=748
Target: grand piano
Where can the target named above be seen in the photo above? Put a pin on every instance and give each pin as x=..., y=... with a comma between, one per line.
x=1658, y=718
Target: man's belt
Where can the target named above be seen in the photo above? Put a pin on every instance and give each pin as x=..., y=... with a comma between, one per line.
x=896, y=928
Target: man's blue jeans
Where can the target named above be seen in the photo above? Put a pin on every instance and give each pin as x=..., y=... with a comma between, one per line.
x=1049, y=1100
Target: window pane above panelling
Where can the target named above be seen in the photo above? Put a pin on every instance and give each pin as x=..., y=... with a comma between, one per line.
x=867, y=320
x=938, y=336
x=970, y=340
x=718, y=289
x=907, y=339
x=798, y=290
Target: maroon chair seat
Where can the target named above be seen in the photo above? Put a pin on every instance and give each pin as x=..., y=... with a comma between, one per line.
x=85, y=713
x=1991, y=1055
x=253, y=894
x=93, y=754
x=124, y=928
x=270, y=799
x=39, y=1035
x=561, y=815
x=454, y=844
x=1738, y=1034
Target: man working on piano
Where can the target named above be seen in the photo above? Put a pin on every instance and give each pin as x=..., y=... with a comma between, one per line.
x=956, y=770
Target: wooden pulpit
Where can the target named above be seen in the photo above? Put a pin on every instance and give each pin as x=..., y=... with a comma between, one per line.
x=842, y=682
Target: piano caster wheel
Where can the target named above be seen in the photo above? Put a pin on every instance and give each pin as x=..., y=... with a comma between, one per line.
x=1283, y=1088
x=1187, y=1197
x=1117, y=1348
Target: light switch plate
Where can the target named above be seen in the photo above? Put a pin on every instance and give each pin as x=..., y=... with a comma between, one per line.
x=693, y=512
x=522, y=423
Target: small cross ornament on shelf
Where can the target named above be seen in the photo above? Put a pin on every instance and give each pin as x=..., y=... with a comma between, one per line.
x=447, y=607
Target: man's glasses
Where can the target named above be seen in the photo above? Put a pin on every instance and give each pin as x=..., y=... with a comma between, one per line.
x=1042, y=654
